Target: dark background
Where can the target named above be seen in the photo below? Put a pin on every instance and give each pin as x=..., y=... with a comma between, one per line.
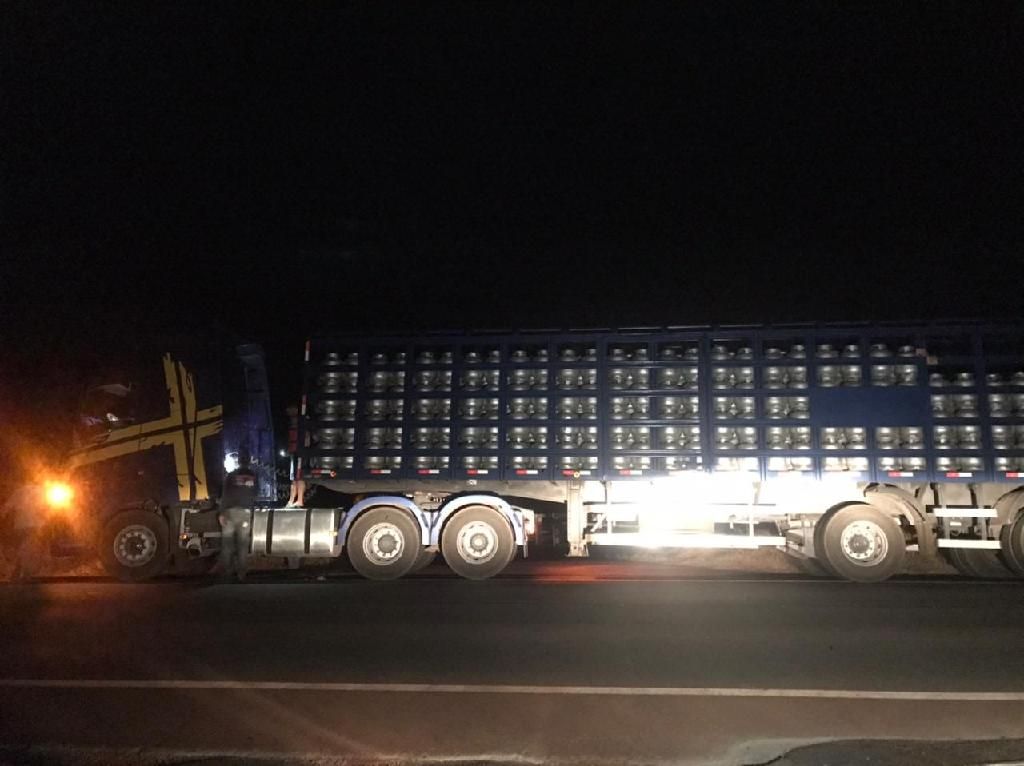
x=274, y=170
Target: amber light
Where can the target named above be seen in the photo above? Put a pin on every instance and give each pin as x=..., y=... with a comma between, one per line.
x=59, y=494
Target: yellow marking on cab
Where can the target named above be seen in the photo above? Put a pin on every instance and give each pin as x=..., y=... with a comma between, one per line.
x=183, y=428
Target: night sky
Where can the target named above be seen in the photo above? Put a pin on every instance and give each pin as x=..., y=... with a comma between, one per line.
x=280, y=169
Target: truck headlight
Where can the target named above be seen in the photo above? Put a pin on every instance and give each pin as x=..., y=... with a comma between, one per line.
x=59, y=495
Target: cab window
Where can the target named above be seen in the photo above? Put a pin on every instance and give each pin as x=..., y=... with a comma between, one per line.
x=106, y=408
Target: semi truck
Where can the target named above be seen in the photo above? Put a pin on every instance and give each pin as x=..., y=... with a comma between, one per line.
x=847, y=446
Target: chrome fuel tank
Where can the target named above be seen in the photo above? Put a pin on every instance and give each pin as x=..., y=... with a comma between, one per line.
x=296, y=532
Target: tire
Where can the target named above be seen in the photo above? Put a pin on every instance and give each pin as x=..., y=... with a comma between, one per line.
x=955, y=560
x=384, y=543
x=820, y=556
x=812, y=567
x=477, y=542
x=186, y=566
x=512, y=553
x=1012, y=541
x=424, y=558
x=978, y=563
x=863, y=544
x=133, y=546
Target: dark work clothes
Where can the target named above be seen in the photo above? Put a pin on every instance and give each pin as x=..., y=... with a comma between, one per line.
x=239, y=489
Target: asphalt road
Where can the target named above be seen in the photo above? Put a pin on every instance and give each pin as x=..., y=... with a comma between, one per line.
x=634, y=667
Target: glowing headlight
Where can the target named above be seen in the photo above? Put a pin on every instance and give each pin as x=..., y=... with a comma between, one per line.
x=59, y=494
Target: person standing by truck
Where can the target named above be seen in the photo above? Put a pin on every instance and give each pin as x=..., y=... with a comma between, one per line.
x=235, y=512
x=297, y=496
x=22, y=518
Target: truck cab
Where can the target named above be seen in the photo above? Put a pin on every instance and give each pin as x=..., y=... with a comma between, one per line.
x=152, y=443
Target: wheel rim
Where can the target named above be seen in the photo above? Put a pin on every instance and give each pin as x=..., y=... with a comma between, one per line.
x=135, y=546
x=477, y=542
x=864, y=543
x=383, y=543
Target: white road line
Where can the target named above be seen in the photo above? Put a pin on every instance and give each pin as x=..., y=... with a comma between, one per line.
x=610, y=691
x=571, y=580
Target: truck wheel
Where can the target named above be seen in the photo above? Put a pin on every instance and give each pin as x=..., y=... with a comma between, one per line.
x=424, y=559
x=958, y=562
x=1012, y=541
x=477, y=542
x=820, y=556
x=383, y=544
x=186, y=566
x=809, y=566
x=978, y=563
x=862, y=544
x=133, y=546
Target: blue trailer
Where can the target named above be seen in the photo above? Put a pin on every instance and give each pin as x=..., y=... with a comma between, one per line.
x=846, y=445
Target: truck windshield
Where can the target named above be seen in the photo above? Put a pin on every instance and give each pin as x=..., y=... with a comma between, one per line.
x=105, y=408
